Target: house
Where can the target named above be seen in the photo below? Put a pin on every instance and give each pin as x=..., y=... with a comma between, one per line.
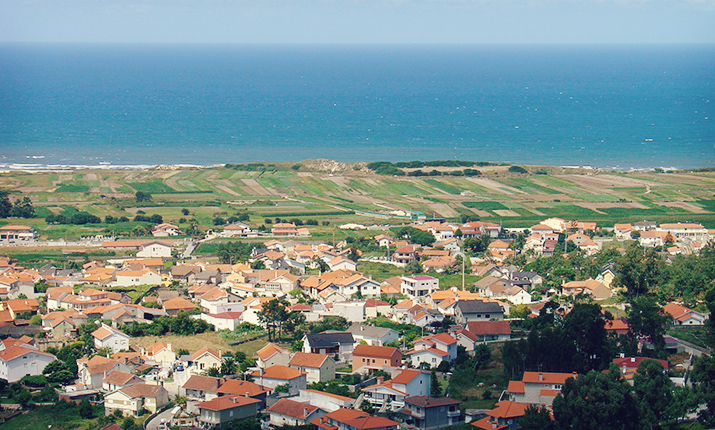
x=222, y=410
x=375, y=308
x=159, y=352
x=165, y=229
x=622, y=231
x=351, y=419
x=686, y=231
x=654, y=238
x=277, y=375
x=432, y=413
x=373, y=335
x=629, y=366
x=20, y=307
x=292, y=413
x=237, y=387
x=477, y=310
x=132, y=278
x=133, y=399
x=538, y=388
x=326, y=401
x=206, y=358
x=272, y=354
x=108, y=337
x=200, y=388
x=382, y=241
x=154, y=250
x=370, y=358
x=178, y=304
x=404, y=254
x=17, y=233
x=91, y=372
x=341, y=262
x=223, y=320
x=683, y=316
x=116, y=380
x=404, y=383
x=236, y=229
x=433, y=350
x=418, y=287
x=318, y=367
x=590, y=286
x=618, y=326
x=338, y=344
x=21, y=359
x=487, y=331
x=503, y=417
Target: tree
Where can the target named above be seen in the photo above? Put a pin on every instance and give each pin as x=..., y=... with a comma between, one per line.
x=703, y=378
x=638, y=271
x=646, y=320
x=595, y=401
x=435, y=387
x=229, y=366
x=653, y=390
x=413, y=267
x=273, y=314
x=85, y=409
x=585, y=327
x=141, y=196
x=23, y=398
x=537, y=418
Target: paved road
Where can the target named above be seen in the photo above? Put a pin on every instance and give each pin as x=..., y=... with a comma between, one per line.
x=155, y=423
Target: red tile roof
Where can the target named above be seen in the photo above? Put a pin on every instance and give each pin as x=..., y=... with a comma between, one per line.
x=308, y=359
x=279, y=372
x=227, y=402
x=291, y=408
x=375, y=351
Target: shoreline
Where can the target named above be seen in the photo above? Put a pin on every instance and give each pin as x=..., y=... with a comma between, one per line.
x=37, y=167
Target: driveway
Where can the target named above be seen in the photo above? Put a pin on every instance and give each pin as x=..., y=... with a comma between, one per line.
x=164, y=417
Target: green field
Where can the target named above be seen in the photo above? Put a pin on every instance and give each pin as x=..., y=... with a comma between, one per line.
x=315, y=192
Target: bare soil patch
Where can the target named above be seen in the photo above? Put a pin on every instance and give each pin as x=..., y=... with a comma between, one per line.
x=506, y=212
x=443, y=209
x=596, y=206
x=683, y=205
x=193, y=343
x=256, y=188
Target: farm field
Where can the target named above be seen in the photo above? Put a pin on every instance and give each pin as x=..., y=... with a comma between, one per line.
x=340, y=193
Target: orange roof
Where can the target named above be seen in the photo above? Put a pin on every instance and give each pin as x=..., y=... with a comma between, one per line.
x=268, y=351
x=405, y=376
x=116, y=377
x=205, y=350
x=516, y=387
x=547, y=377
x=215, y=293
x=335, y=396
x=178, y=303
x=241, y=388
x=12, y=352
x=294, y=409
x=227, y=402
x=375, y=351
x=507, y=409
x=279, y=372
x=308, y=359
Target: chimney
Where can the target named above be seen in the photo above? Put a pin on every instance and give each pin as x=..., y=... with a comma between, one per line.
x=305, y=412
x=380, y=379
x=541, y=376
x=633, y=359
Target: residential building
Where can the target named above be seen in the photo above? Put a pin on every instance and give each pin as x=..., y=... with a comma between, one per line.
x=487, y=331
x=200, y=388
x=338, y=344
x=281, y=375
x=418, y=287
x=154, y=250
x=683, y=316
x=22, y=359
x=370, y=358
x=591, y=287
x=108, y=337
x=538, y=388
x=272, y=354
x=91, y=372
x=433, y=350
x=206, y=358
x=132, y=400
x=326, y=401
x=373, y=335
x=116, y=380
x=432, y=413
x=159, y=352
x=477, y=310
x=292, y=413
x=17, y=233
x=404, y=383
x=351, y=419
x=503, y=417
x=237, y=387
x=222, y=410
x=318, y=367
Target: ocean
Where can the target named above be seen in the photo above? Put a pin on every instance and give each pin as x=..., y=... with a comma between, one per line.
x=605, y=106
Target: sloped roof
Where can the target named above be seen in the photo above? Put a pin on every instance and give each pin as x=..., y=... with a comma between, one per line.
x=482, y=328
x=279, y=372
x=328, y=340
x=141, y=390
x=268, y=351
x=241, y=388
x=308, y=359
x=375, y=351
x=293, y=409
x=476, y=306
x=547, y=377
x=202, y=383
x=227, y=402
x=429, y=402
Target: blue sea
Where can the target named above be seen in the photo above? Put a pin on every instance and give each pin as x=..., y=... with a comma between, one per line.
x=606, y=106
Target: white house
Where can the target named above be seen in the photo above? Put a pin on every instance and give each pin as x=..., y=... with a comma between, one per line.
x=433, y=350
x=223, y=320
x=131, y=278
x=418, y=287
x=281, y=375
x=404, y=383
x=154, y=250
x=292, y=413
x=318, y=367
x=22, y=359
x=108, y=337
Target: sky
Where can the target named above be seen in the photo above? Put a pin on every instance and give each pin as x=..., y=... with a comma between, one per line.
x=358, y=21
